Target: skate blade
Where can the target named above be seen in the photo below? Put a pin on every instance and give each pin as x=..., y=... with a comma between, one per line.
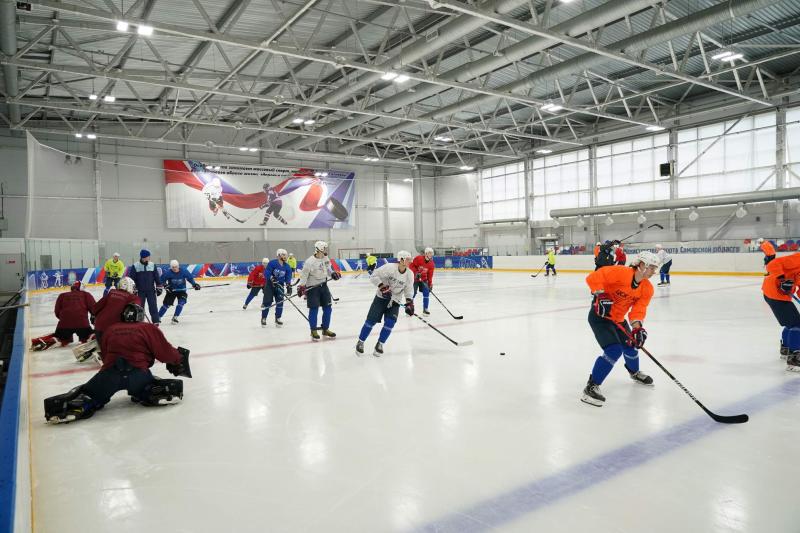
x=65, y=420
x=165, y=401
x=792, y=368
x=376, y=354
x=359, y=354
x=591, y=401
x=649, y=385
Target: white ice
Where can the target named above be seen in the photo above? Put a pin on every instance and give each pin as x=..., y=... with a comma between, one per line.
x=276, y=433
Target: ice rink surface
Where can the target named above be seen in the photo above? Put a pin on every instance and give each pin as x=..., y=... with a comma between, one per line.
x=276, y=433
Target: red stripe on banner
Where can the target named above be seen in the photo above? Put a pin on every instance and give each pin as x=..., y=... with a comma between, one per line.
x=176, y=171
x=101, y=274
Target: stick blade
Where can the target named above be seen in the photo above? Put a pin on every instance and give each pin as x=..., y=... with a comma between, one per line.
x=735, y=419
x=659, y=226
x=469, y=343
x=460, y=317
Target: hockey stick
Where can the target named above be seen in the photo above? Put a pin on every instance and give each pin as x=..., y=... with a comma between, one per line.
x=437, y=330
x=14, y=306
x=459, y=317
x=298, y=310
x=722, y=419
x=538, y=271
x=659, y=226
x=215, y=285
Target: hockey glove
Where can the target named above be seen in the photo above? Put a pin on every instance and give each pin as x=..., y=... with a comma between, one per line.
x=249, y=286
x=91, y=319
x=197, y=286
x=418, y=277
x=386, y=290
x=335, y=276
x=602, y=304
x=182, y=368
x=638, y=336
x=785, y=285
x=159, y=290
x=289, y=289
x=301, y=291
x=409, y=307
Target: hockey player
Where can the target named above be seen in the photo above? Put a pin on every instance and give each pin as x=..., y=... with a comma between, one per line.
x=423, y=268
x=213, y=192
x=666, y=264
x=619, y=291
x=372, y=262
x=273, y=205
x=278, y=277
x=108, y=311
x=619, y=255
x=768, y=249
x=292, y=262
x=114, y=269
x=606, y=255
x=394, y=282
x=596, y=249
x=779, y=285
x=129, y=350
x=550, y=263
x=72, y=310
x=255, y=281
x=174, y=281
x=148, y=284
x=314, y=286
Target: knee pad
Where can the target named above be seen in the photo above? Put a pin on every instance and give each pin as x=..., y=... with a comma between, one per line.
x=68, y=407
x=162, y=392
x=389, y=323
x=612, y=352
x=630, y=352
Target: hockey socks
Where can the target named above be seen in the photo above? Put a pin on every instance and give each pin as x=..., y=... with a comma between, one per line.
x=605, y=362
x=631, y=359
x=785, y=337
x=326, y=316
x=388, y=324
x=365, y=330
x=264, y=313
x=313, y=315
x=178, y=309
x=793, y=339
x=162, y=310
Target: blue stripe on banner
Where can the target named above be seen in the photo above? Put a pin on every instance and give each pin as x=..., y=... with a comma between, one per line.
x=9, y=427
x=541, y=493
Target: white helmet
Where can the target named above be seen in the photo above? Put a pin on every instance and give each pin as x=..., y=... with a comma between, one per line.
x=320, y=246
x=291, y=255
x=760, y=240
x=116, y=254
x=265, y=261
x=428, y=249
x=282, y=252
x=648, y=258
x=174, y=263
x=402, y=254
x=598, y=243
x=216, y=182
x=658, y=247
x=127, y=284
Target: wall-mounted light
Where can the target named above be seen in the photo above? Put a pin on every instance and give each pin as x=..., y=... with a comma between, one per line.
x=641, y=219
x=580, y=222
x=693, y=214
x=555, y=223
x=741, y=212
x=608, y=221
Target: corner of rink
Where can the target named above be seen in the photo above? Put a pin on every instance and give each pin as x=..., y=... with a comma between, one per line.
x=16, y=512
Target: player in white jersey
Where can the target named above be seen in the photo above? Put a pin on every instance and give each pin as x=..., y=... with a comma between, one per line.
x=666, y=264
x=313, y=285
x=213, y=192
x=395, y=282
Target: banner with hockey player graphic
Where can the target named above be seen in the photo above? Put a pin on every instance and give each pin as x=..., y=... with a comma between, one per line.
x=236, y=196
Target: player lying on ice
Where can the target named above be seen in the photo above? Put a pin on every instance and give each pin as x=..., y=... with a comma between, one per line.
x=129, y=350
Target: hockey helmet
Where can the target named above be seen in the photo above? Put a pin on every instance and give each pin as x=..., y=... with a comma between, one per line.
x=321, y=246
x=133, y=313
x=127, y=284
x=648, y=258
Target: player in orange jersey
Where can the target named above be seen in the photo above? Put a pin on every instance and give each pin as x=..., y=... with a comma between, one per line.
x=619, y=291
x=780, y=284
x=768, y=249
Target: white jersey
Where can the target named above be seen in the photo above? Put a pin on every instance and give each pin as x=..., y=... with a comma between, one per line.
x=213, y=191
x=402, y=284
x=315, y=271
x=663, y=256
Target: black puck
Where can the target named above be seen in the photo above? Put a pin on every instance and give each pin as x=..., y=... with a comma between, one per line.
x=502, y=353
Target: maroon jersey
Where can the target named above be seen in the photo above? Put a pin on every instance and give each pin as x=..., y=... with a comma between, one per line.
x=256, y=277
x=108, y=310
x=139, y=343
x=423, y=268
x=73, y=308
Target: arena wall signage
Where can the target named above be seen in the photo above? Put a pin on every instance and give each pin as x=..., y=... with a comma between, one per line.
x=200, y=195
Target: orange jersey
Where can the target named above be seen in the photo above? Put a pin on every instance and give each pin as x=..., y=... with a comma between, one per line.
x=596, y=250
x=787, y=267
x=617, y=282
x=767, y=248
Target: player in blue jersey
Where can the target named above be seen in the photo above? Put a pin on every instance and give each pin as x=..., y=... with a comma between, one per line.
x=278, y=276
x=174, y=281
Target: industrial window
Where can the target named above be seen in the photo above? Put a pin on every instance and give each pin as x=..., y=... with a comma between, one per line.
x=502, y=192
x=560, y=181
x=628, y=171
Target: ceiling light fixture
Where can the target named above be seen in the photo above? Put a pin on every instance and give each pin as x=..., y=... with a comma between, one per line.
x=389, y=76
x=144, y=30
x=122, y=25
x=401, y=78
x=655, y=127
x=252, y=149
x=91, y=136
x=408, y=180
x=298, y=121
x=544, y=151
x=243, y=148
x=108, y=98
x=79, y=135
x=551, y=108
x=722, y=55
x=309, y=122
x=92, y=96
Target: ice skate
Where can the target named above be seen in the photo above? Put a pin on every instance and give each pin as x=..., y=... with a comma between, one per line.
x=328, y=334
x=278, y=322
x=592, y=394
x=793, y=362
x=264, y=322
x=378, y=349
x=784, y=351
x=174, y=320
x=360, y=348
x=315, y=335
x=641, y=378
x=425, y=312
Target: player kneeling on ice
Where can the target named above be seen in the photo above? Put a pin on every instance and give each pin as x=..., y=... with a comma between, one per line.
x=72, y=310
x=314, y=278
x=423, y=268
x=279, y=282
x=619, y=291
x=105, y=313
x=174, y=282
x=395, y=283
x=129, y=350
x=779, y=286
